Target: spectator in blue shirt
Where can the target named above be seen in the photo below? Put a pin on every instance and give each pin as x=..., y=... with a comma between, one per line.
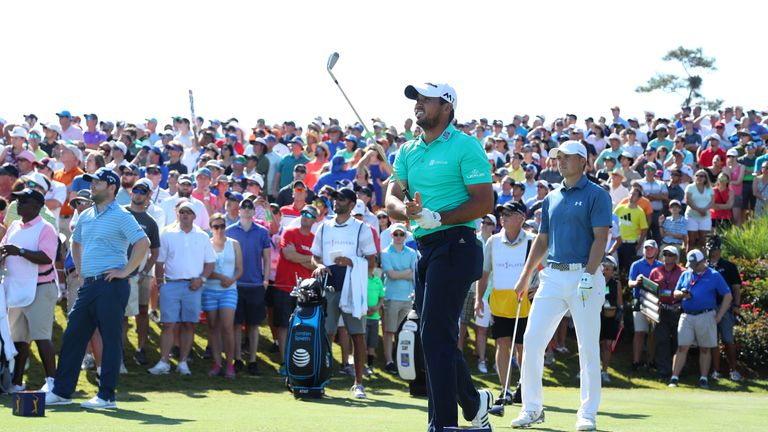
x=640, y=269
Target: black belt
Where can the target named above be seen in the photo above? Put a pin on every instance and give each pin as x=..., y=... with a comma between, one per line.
x=92, y=279
x=628, y=242
x=178, y=280
x=46, y=282
x=698, y=312
x=437, y=236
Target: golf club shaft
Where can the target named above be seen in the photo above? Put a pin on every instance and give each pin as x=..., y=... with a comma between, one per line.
x=193, y=121
x=513, y=351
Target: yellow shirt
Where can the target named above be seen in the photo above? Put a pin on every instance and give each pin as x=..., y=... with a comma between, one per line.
x=631, y=222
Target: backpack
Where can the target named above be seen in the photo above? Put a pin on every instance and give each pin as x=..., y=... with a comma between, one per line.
x=308, y=356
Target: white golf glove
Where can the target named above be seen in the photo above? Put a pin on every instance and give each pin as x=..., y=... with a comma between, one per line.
x=428, y=219
x=585, y=286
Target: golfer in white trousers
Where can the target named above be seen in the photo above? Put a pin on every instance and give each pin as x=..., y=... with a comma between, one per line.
x=574, y=228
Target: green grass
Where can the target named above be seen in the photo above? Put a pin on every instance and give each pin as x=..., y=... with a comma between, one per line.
x=175, y=403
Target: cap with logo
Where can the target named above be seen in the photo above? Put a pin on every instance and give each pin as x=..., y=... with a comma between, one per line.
x=103, y=174
x=671, y=249
x=145, y=183
x=512, y=206
x=569, y=148
x=344, y=193
x=30, y=194
x=443, y=91
x=83, y=195
x=694, y=257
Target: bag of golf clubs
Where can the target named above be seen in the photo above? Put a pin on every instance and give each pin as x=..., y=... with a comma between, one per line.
x=409, y=355
x=308, y=356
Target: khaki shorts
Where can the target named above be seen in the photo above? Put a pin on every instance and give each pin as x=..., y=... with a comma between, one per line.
x=132, y=307
x=394, y=313
x=73, y=284
x=642, y=323
x=700, y=328
x=35, y=322
x=145, y=289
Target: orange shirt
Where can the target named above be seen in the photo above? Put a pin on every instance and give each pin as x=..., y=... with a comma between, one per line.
x=643, y=203
x=313, y=172
x=66, y=177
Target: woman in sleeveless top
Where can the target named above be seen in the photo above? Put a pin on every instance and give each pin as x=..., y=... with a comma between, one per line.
x=735, y=172
x=220, y=297
x=724, y=197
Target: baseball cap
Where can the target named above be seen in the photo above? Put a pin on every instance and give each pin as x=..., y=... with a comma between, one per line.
x=513, y=206
x=30, y=194
x=661, y=127
x=53, y=127
x=713, y=136
x=233, y=196
x=64, y=113
x=185, y=178
x=650, y=243
x=344, y=193
x=187, y=205
x=694, y=257
x=569, y=148
x=714, y=243
x=82, y=195
x=256, y=177
x=104, y=174
x=9, y=169
x=543, y=183
x=46, y=162
x=502, y=172
x=351, y=137
x=203, y=171
x=26, y=155
x=19, y=131
x=611, y=260
x=686, y=170
x=443, y=91
x=38, y=179
x=398, y=227
x=297, y=140
x=732, y=152
x=119, y=145
x=311, y=210
x=359, y=208
x=91, y=117
x=614, y=136
x=675, y=202
x=671, y=249
x=491, y=217
x=130, y=166
x=145, y=183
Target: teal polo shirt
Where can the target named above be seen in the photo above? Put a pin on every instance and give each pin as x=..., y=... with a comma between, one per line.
x=568, y=216
x=286, y=168
x=441, y=172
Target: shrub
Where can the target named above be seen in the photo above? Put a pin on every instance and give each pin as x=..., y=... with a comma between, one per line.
x=754, y=276
x=747, y=242
x=751, y=337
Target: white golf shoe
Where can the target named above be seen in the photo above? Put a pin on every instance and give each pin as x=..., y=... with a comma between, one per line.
x=528, y=418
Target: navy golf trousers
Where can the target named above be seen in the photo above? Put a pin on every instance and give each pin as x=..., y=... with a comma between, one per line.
x=450, y=261
x=100, y=304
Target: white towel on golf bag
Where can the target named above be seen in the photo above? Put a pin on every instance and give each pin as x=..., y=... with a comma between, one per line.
x=354, y=293
x=5, y=329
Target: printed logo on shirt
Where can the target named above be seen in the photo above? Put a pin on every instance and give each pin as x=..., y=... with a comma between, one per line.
x=578, y=203
x=437, y=162
x=475, y=173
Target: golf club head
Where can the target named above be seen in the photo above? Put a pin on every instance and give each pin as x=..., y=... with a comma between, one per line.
x=497, y=410
x=332, y=60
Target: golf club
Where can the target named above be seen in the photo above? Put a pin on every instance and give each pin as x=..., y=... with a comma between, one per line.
x=331, y=63
x=613, y=345
x=498, y=410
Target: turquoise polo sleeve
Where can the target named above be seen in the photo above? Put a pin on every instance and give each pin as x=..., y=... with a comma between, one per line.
x=401, y=165
x=475, y=168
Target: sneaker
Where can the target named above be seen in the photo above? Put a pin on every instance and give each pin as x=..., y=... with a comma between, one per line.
x=391, y=367
x=123, y=369
x=481, y=419
x=98, y=403
x=562, y=349
x=528, y=418
x=368, y=371
x=605, y=377
x=253, y=368
x=504, y=399
x=154, y=316
x=52, y=398
x=482, y=367
x=673, y=382
x=161, y=368
x=239, y=365
x=48, y=386
x=517, y=398
x=703, y=383
x=636, y=367
x=716, y=375
x=140, y=357
x=183, y=368
x=358, y=391
x=16, y=388
x=585, y=424
x=736, y=376
x=88, y=362
x=230, y=372
x=347, y=370
x=549, y=358
x=215, y=371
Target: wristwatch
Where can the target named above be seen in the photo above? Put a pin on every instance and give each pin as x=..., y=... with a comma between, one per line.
x=204, y=279
x=144, y=273
x=22, y=251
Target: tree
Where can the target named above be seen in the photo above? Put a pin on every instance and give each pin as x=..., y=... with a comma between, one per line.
x=692, y=60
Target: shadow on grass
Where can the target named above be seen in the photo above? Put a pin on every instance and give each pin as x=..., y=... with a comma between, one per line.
x=142, y=417
x=620, y=416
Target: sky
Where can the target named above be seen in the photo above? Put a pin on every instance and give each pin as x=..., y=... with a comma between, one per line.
x=267, y=59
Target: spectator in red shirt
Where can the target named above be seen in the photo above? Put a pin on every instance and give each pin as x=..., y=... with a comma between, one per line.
x=293, y=210
x=705, y=156
x=295, y=260
x=666, y=277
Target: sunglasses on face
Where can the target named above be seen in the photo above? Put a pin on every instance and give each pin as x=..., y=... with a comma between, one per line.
x=300, y=171
x=383, y=217
x=668, y=254
x=140, y=191
x=153, y=172
x=489, y=223
x=246, y=207
x=299, y=189
x=218, y=226
x=308, y=215
x=398, y=234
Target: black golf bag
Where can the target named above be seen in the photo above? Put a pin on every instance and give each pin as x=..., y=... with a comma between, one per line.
x=308, y=356
x=410, y=357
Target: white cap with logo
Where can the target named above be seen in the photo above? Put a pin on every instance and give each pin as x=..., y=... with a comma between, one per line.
x=569, y=148
x=443, y=91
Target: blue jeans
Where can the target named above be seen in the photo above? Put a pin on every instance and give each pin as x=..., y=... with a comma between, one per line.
x=451, y=261
x=101, y=305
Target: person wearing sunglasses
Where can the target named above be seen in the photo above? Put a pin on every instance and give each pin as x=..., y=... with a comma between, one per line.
x=292, y=211
x=219, y=300
x=285, y=195
x=34, y=181
x=665, y=331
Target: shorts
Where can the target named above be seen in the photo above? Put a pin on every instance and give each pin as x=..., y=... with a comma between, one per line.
x=468, y=311
x=371, y=333
x=738, y=201
x=609, y=328
x=395, y=312
x=355, y=326
x=215, y=299
x=35, y=321
x=748, y=197
x=641, y=322
x=725, y=327
x=696, y=224
x=178, y=303
x=145, y=290
x=132, y=308
x=251, y=307
x=485, y=320
x=701, y=329
x=283, y=306
x=504, y=327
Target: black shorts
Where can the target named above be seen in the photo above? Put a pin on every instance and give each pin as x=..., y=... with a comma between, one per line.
x=505, y=327
x=251, y=309
x=282, y=305
x=609, y=328
x=748, y=198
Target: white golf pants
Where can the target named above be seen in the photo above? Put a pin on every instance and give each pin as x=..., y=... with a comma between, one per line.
x=558, y=292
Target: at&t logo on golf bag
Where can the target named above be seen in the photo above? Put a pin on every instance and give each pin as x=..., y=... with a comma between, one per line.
x=301, y=358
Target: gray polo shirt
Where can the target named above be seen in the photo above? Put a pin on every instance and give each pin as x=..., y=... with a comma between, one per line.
x=568, y=216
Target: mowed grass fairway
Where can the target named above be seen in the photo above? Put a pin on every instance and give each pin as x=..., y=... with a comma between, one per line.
x=261, y=403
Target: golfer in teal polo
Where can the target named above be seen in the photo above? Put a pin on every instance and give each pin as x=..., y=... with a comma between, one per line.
x=449, y=177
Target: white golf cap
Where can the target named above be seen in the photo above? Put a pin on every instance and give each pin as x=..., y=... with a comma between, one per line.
x=732, y=152
x=359, y=208
x=650, y=243
x=491, y=217
x=671, y=249
x=398, y=227
x=569, y=148
x=119, y=145
x=694, y=257
x=443, y=91
x=19, y=131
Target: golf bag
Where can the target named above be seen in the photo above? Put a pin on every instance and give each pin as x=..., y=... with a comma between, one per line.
x=410, y=357
x=308, y=356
